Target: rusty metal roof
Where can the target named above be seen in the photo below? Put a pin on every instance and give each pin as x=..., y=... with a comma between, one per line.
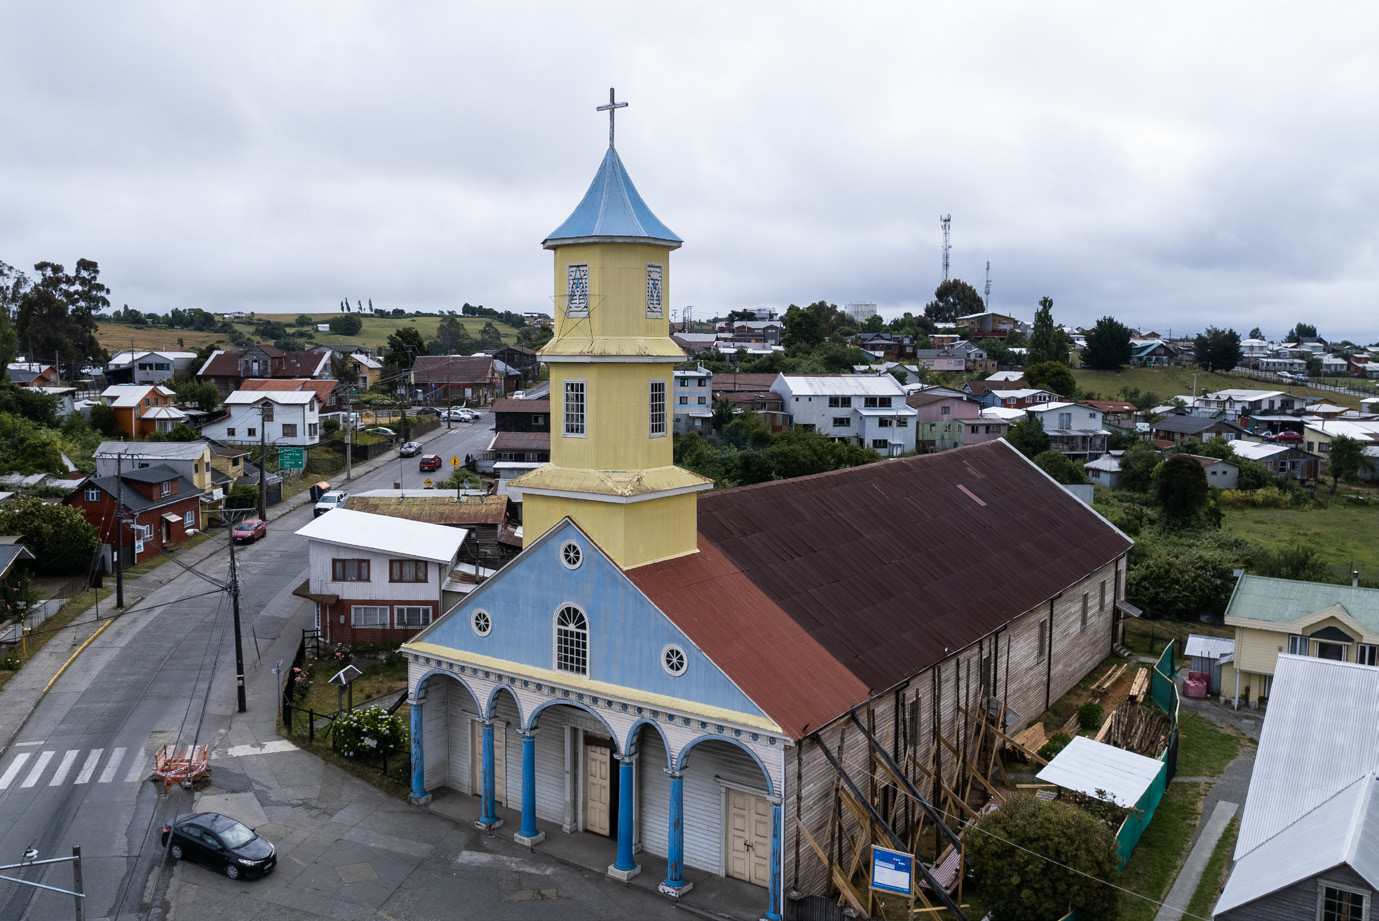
x=510, y=405
x=440, y=507
x=873, y=573
x=730, y=382
x=521, y=441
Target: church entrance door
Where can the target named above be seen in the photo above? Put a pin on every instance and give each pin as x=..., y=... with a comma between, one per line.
x=598, y=786
x=476, y=761
x=749, y=837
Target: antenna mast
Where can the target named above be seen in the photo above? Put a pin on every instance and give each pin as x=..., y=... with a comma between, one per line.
x=987, y=298
x=944, y=220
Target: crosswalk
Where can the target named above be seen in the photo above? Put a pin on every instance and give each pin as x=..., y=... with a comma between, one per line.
x=30, y=769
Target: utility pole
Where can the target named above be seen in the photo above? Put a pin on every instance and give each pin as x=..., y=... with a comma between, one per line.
x=349, y=438
x=234, y=606
x=119, y=529
x=986, y=300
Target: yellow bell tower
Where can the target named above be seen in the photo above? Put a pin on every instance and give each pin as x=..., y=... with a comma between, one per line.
x=611, y=467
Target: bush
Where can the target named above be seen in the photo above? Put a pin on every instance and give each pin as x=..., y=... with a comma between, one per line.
x=346, y=324
x=1056, y=743
x=1031, y=859
x=1089, y=716
x=352, y=733
x=104, y=420
x=58, y=535
x=244, y=496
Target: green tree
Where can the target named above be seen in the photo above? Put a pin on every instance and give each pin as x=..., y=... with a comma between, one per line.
x=802, y=328
x=1028, y=437
x=57, y=316
x=533, y=337
x=304, y=320
x=1061, y=467
x=104, y=420
x=453, y=338
x=1029, y=858
x=201, y=394
x=58, y=535
x=347, y=325
x=1256, y=333
x=874, y=324
x=1302, y=331
x=183, y=432
x=1343, y=459
x=1137, y=466
x=1047, y=342
x=1186, y=573
x=722, y=414
x=1054, y=376
x=952, y=299
x=490, y=337
x=1182, y=487
x=34, y=405
x=404, y=345
x=1218, y=349
x=1314, y=364
x=1108, y=345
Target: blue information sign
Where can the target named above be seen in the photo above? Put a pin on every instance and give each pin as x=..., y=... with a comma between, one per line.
x=892, y=871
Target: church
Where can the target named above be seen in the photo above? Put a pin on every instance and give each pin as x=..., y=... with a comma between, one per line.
x=674, y=669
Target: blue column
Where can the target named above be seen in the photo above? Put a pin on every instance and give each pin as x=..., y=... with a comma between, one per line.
x=773, y=912
x=626, y=867
x=488, y=819
x=419, y=795
x=529, y=835
x=675, y=883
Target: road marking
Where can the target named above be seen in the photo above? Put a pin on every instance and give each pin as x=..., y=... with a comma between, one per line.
x=89, y=767
x=265, y=748
x=137, y=768
x=111, y=766
x=67, y=761
x=13, y=770
x=22, y=744
x=38, y=767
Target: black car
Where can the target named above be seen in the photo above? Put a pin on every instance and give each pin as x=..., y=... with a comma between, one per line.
x=410, y=449
x=219, y=841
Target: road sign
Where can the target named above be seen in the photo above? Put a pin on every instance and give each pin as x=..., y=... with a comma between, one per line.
x=891, y=871
x=454, y=462
x=292, y=457
x=429, y=484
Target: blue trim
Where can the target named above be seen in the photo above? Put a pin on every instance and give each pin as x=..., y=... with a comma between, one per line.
x=489, y=817
x=493, y=699
x=418, y=763
x=632, y=735
x=675, y=853
x=562, y=702
x=528, y=786
x=684, y=754
x=773, y=910
x=626, y=770
x=419, y=692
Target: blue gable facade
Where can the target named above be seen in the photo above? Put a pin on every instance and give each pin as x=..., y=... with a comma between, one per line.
x=628, y=635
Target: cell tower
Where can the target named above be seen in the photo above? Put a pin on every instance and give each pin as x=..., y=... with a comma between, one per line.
x=987, y=299
x=945, y=220
x=687, y=314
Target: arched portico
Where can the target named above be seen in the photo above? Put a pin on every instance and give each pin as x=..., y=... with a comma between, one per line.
x=434, y=742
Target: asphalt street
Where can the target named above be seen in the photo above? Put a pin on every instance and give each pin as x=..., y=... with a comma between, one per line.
x=77, y=773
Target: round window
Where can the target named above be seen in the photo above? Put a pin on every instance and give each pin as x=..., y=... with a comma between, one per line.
x=673, y=660
x=571, y=555
x=483, y=624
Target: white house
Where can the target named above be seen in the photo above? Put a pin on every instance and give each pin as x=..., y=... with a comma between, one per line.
x=291, y=417
x=1074, y=429
x=1237, y=402
x=867, y=409
x=144, y=366
x=1105, y=470
x=693, y=400
x=378, y=579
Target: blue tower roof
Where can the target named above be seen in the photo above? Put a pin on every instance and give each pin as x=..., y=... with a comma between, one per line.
x=612, y=211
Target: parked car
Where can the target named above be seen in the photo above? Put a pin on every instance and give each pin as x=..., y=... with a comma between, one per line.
x=410, y=449
x=221, y=842
x=249, y=529
x=1292, y=437
x=426, y=411
x=463, y=415
x=382, y=430
x=429, y=462
x=331, y=500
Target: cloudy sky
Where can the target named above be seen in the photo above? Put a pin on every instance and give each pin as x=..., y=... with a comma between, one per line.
x=1178, y=165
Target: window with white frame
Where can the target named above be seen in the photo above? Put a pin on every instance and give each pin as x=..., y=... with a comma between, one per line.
x=1297, y=645
x=571, y=641
x=369, y=615
x=683, y=401
x=1339, y=903
x=885, y=423
x=944, y=410
x=165, y=488
x=654, y=274
x=577, y=290
x=1367, y=654
x=189, y=520
x=839, y=402
x=313, y=429
x=1065, y=420
x=143, y=531
x=92, y=494
x=289, y=430
x=252, y=433
x=876, y=402
x=902, y=423
x=574, y=409
x=411, y=615
x=842, y=422
x=658, y=409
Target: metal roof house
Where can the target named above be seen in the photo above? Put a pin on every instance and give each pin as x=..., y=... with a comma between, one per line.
x=1309, y=834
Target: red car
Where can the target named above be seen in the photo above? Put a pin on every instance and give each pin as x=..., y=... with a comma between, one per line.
x=429, y=462
x=250, y=529
x=1288, y=436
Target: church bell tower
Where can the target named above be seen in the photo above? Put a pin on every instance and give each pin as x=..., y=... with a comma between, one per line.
x=611, y=468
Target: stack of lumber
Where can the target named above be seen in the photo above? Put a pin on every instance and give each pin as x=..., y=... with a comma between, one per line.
x=1112, y=675
x=1071, y=727
x=1140, y=686
x=1105, y=727
x=1138, y=730
x=1032, y=739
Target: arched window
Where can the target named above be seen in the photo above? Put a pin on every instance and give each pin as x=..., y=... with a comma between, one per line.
x=571, y=641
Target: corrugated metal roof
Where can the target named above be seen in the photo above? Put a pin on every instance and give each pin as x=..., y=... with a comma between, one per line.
x=1342, y=830
x=612, y=208
x=1208, y=647
x=283, y=397
x=1285, y=600
x=1256, y=450
x=162, y=450
x=880, y=385
x=1102, y=770
x=1320, y=733
x=880, y=602
x=452, y=369
x=434, y=507
x=521, y=441
x=414, y=539
x=510, y=405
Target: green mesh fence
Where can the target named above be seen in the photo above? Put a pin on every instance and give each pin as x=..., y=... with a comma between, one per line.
x=1164, y=690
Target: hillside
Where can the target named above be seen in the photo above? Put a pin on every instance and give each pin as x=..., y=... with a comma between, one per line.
x=116, y=336
x=1166, y=383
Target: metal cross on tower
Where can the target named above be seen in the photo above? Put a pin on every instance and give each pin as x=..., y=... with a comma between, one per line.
x=611, y=108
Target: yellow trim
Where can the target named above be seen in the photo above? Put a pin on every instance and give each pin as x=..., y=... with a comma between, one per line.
x=597, y=688
x=73, y=657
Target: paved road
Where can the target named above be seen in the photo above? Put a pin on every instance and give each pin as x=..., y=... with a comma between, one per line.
x=76, y=774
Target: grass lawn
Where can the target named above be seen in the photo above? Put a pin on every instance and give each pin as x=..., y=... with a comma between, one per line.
x=1204, y=749
x=379, y=678
x=1063, y=709
x=1142, y=634
x=1342, y=534
x=1161, y=850
x=375, y=332
x=1173, y=381
x=1214, y=875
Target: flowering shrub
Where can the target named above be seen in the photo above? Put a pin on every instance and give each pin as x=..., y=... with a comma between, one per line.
x=352, y=732
x=301, y=680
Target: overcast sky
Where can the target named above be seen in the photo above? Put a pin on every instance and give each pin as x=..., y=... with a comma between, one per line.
x=1174, y=166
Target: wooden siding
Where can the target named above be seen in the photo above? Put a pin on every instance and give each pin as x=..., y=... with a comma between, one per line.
x=1299, y=901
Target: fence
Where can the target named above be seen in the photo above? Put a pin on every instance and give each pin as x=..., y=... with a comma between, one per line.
x=381, y=757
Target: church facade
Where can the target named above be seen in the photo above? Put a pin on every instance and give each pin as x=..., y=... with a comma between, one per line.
x=675, y=669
